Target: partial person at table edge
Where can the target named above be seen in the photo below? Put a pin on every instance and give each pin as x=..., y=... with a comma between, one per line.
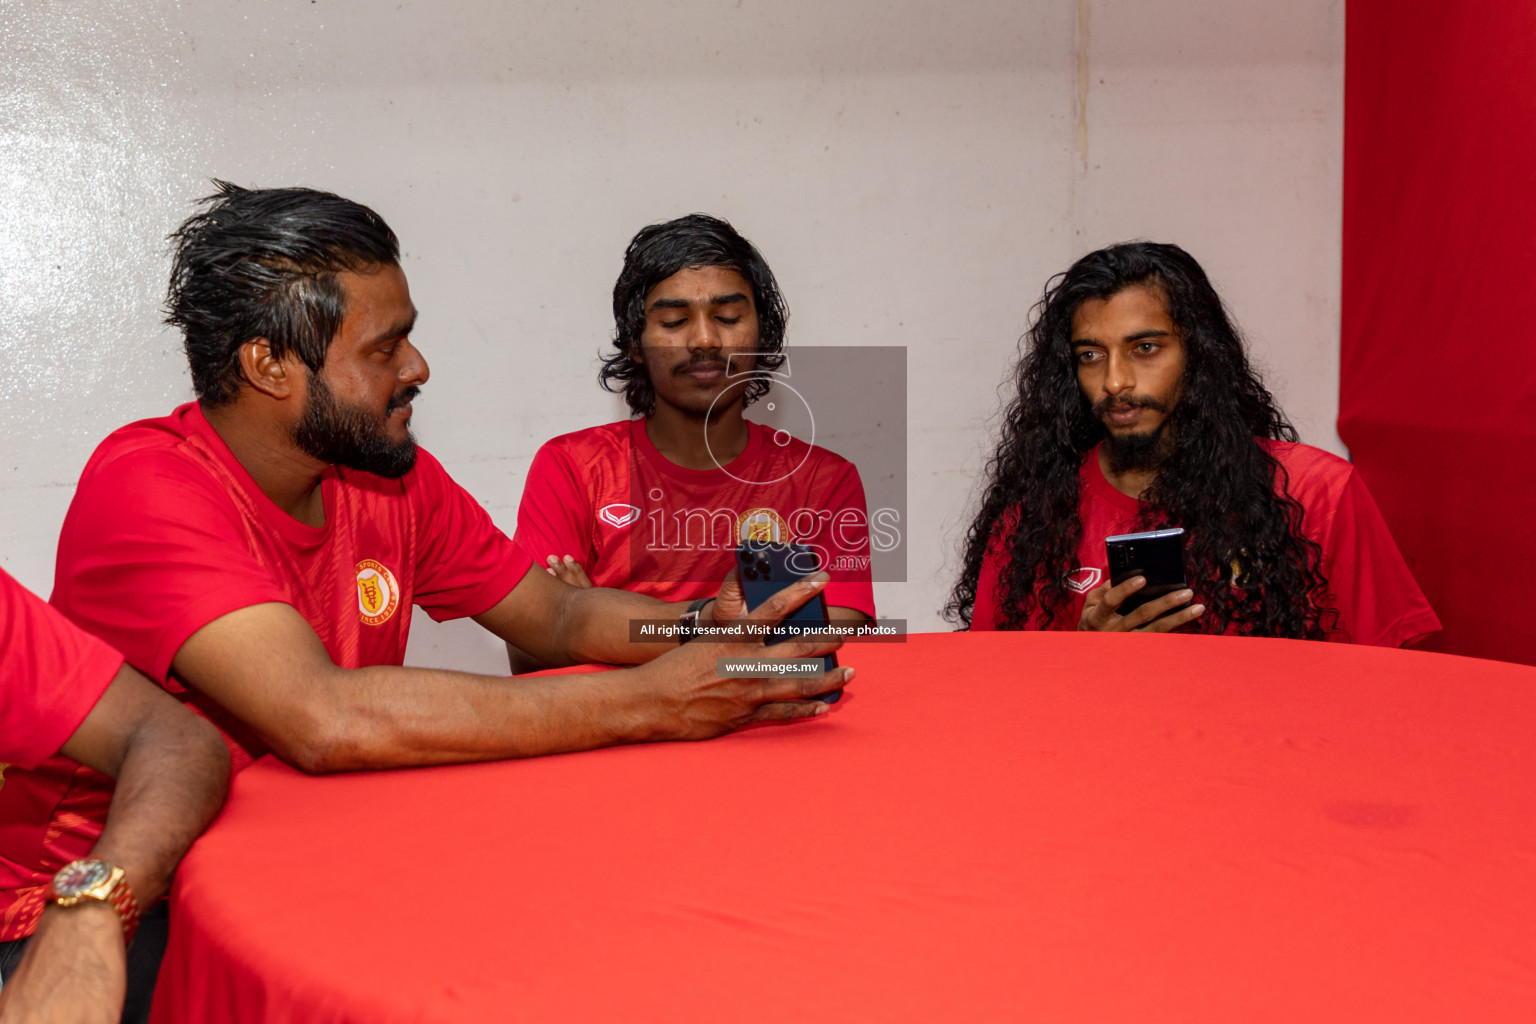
x=82, y=931
x=1135, y=408
x=699, y=331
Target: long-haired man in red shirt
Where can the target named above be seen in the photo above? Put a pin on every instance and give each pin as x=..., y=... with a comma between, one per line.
x=1136, y=408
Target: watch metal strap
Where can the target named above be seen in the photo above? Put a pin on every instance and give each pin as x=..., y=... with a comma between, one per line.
x=688, y=622
x=122, y=900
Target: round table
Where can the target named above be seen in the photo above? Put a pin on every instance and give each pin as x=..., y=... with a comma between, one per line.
x=989, y=827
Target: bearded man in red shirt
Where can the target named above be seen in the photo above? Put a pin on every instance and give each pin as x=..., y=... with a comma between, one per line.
x=1137, y=409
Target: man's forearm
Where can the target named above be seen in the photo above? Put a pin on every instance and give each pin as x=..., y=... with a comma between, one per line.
x=170, y=785
x=266, y=667
x=555, y=624
x=385, y=717
x=596, y=627
x=438, y=716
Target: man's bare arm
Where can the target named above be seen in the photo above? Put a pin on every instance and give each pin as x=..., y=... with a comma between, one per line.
x=553, y=623
x=548, y=622
x=507, y=618
x=268, y=668
x=172, y=770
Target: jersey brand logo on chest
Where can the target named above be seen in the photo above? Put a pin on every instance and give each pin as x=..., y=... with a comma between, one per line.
x=618, y=514
x=378, y=595
x=1084, y=579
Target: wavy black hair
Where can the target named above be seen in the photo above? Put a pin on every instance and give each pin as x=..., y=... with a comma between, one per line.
x=262, y=263
x=655, y=254
x=1247, y=557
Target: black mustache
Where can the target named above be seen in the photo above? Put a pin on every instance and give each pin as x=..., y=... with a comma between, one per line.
x=1104, y=405
x=701, y=363
x=404, y=398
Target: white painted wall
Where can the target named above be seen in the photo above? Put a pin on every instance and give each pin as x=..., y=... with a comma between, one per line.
x=914, y=172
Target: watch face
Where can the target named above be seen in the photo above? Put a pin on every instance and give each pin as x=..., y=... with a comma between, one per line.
x=81, y=876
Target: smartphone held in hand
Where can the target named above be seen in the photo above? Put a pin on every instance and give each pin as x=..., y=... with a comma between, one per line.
x=766, y=568
x=1157, y=555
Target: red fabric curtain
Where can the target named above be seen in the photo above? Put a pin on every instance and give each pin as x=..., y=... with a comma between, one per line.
x=1438, y=382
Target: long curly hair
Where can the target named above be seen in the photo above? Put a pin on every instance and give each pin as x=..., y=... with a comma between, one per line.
x=656, y=253
x=1247, y=557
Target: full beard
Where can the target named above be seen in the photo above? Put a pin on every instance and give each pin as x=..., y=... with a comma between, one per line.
x=1141, y=451
x=345, y=435
x=1135, y=452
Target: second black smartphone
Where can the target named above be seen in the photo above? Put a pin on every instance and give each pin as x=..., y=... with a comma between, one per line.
x=767, y=568
x=1157, y=554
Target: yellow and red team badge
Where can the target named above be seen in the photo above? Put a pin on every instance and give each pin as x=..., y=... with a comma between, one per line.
x=763, y=525
x=378, y=595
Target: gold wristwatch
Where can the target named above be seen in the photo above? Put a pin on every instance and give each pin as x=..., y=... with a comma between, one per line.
x=92, y=878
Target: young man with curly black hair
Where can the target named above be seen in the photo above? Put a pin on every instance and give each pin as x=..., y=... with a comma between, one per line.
x=1137, y=409
x=656, y=504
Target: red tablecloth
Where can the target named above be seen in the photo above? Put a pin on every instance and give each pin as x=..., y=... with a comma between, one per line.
x=991, y=827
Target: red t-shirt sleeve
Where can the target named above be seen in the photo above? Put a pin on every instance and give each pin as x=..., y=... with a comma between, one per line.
x=1379, y=603
x=553, y=517
x=844, y=538
x=465, y=564
x=150, y=553
x=51, y=674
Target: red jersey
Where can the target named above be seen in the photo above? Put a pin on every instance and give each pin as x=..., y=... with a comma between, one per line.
x=167, y=532
x=636, y=521
x=51, y=674
x=1378, y=601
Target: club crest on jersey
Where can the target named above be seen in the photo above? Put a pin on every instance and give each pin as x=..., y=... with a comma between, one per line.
x=1084, y=579
x=378, y=595
x=618, y=514
x=763, y=525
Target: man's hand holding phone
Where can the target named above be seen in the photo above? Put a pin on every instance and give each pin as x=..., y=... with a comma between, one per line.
x=691, y=701
x=1146, y=590
x=1099, y=613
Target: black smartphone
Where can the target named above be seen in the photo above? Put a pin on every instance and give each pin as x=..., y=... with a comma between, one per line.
x=767, y=568
x=1157, y=554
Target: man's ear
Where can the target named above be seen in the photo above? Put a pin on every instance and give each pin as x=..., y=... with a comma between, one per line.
x=271, y=376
